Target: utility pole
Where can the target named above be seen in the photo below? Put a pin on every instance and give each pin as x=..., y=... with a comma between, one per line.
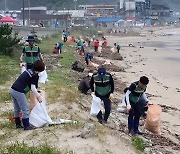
x=5, y=5
x=75, y=3
x=23, y=14
x=29, y=12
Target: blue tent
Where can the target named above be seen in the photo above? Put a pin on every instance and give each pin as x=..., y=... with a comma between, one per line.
x=108, y=19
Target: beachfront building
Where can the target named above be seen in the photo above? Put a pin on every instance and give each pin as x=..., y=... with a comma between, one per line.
x=159, y=14
x=98, y=10
x=108, y=22
x=160, y=10
x=134, y=8
x=36, y=15
x=77, y=16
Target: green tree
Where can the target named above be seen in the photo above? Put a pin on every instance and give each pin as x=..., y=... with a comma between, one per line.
x=7, y=41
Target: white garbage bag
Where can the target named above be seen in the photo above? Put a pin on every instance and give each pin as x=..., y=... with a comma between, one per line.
x=95, y=106
x=39, y=116
x=124, y=106
x=107, y=62
x=100, y=49
x=62, y=121
x=43, y=77
x=112, y=50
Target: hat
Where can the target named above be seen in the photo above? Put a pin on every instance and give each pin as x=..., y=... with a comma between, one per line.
x=30, y=38
x=90, y=74
x=101, y=72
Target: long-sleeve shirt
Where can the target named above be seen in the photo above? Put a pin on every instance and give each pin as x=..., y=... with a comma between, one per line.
x=103, y=87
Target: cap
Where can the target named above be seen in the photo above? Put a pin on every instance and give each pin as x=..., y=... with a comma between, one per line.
x=30, y=38
x=101, y=72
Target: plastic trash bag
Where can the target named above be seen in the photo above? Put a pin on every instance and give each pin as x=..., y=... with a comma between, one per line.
x=124, y=106
x=99, y=49
x=91, y=64
x=62, y=121
x=69, y=38
x=43, y=77
x=153, y=119
x=39, y=116
x=112, y=50
x=95, y=105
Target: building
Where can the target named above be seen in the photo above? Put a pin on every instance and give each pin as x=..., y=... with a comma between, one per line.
x=37, y=15
x=77, y=16
x=108, y=22
x=130, y=8
x=134, y=8
x=147, y=8
x=140, y=8
x=160, y=11
x=98, y=10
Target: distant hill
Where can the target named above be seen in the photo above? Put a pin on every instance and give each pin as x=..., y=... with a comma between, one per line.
x=70, y=4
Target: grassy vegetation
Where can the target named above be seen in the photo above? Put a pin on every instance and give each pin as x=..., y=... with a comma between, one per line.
x=102, y=131
x=7, y=114
x=22, y=148
x=8, y=68
x=138, y=143
x=8, y=125
x=62, y=82
x=46, y=46
x=4, y=95
x=62, y=86
x=83, y=31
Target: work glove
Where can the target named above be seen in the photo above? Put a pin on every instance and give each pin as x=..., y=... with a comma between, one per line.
x=111, y=96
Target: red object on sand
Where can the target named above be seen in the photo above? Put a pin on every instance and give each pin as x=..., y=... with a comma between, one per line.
x=72, y=39
x=12, y=119
x=55, y=51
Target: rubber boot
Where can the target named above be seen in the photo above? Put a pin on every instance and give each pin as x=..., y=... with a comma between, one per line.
x=130, y=124
x=18, y=122
x=136, y=125
x=99, y=117
x=26, y=124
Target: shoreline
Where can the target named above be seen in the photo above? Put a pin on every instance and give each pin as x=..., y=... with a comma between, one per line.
x=161, y=64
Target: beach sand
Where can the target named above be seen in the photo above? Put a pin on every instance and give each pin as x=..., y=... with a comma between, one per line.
x=157, y=56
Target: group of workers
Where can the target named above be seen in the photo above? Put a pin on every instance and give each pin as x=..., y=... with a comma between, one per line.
x=101, y=84
x=27, y=81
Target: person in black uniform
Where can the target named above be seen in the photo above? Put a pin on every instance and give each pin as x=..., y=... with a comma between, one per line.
x=84, y=84
x=104, y=86
x=138, y=103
